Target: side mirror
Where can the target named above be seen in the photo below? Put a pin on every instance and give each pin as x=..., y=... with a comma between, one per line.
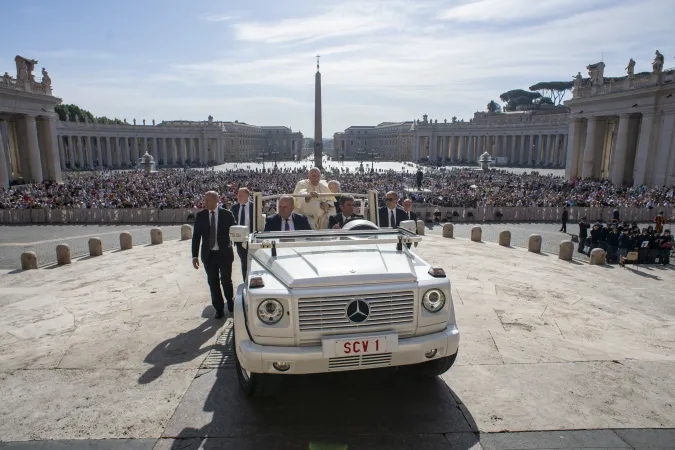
x=409, y=225
x=239, y=233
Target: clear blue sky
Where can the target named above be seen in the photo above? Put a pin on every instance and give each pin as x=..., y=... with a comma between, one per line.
x=382, y=60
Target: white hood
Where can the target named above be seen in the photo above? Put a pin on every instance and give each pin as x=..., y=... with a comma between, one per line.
x=331, y=265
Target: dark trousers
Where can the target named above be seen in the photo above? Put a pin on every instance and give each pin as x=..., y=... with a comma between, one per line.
x=564, y=226
x=243, y=257
x=219, y=272
x=582, y=243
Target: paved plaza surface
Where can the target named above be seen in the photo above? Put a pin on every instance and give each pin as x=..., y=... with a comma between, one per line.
x=121, y=352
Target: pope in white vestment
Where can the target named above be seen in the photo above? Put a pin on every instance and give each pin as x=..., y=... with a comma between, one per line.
x=317, y=209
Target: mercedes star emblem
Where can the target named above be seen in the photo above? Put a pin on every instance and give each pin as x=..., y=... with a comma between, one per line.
x=358, y=311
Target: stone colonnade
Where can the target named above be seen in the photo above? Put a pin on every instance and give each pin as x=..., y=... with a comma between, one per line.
x=540, y=149
x=119, y=147
x=29, y=149
x=629, y=148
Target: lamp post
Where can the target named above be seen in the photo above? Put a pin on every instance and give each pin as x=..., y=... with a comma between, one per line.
x=373, y=156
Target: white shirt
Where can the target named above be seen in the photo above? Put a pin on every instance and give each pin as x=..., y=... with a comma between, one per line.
x=243, y=218
x=289, y=222
x=408, y=213
x=215, y=247
x=389, y=213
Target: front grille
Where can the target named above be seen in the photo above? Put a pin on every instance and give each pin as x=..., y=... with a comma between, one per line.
x=354, y=362
x=329, y=313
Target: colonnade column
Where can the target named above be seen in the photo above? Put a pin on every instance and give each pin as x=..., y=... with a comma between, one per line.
x=644, y=141
x=4, y=169
x=556, y=150
x=62, y=153
x=523, y=149
x=108, y=152
x=660, y=172
x=35, y=167
x=619, y=158
x=589, y=148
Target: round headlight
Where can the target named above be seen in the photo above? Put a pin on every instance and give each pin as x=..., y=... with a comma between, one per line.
x=270, y=311
x=433, y=300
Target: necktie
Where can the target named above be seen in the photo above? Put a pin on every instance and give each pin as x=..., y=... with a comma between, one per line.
x=285, y=225
x=242, y=215
x=212, y=231
x=392, y=220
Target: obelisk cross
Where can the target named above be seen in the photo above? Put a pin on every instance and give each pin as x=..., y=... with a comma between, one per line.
x=317, y=61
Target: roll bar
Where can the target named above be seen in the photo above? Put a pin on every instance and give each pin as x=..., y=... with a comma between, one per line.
x=258, y=199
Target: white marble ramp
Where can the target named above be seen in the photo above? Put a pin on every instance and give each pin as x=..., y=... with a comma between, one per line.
x=109, y=347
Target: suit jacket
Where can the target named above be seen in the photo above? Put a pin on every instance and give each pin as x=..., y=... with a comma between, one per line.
x=339, y=219
x=338, y=210
x=413, y=216
x=249, y=213
x=384, y=220
x=202, y=229
x=300, y=222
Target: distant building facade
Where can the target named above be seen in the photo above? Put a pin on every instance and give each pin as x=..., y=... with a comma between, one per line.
x=526, y=138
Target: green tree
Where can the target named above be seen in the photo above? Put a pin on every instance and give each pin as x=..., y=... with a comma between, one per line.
x=555, y=90
x=493, y=106
x=518, y=97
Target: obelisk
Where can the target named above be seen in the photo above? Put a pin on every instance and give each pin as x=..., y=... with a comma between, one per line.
x=318, y=136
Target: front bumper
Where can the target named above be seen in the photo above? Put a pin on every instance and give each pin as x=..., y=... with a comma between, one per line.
x=259, y=358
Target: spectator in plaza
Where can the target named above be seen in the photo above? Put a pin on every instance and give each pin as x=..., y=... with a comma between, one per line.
x=346, y=214
x=625, y=244
x=286, y=219
x=612, y=244
x=596, y=235
x=583, y=234
x=316, y=208
x=391, y=215
x=665, y=243
x=243, y=215
x=615, y=215
x=565, y=217
x=212, y=231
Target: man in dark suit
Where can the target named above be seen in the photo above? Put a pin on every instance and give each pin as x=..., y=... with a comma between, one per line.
x=286, y=219
x=212, y=229
x=407, y=208
x=243, y=215
x=391, y=215
x=339, y=220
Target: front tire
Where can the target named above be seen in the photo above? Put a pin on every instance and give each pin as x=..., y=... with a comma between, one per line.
x=431, y=369
x=256, y=385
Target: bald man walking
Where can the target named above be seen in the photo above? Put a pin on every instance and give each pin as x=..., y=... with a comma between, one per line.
x=212, y=230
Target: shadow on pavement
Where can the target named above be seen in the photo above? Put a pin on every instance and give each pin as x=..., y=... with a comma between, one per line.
x=374, y=409
x=179, y=349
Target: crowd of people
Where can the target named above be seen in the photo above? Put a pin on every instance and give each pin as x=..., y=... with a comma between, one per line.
x=652, y=244
x=184, y=188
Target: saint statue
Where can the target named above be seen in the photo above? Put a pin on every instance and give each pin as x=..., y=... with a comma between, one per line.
x=597, y=73
x=425, y=119
x=577, y=81
x=46, y=81
x=657, y=64
x=134, y=122
x=630, y=68
x=153, y=122
x=210, y=118
x=143, y=122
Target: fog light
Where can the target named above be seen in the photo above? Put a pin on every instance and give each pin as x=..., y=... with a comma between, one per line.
x=430, y=353
x=282, y=366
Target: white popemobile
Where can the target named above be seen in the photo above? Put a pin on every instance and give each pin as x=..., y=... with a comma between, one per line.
x=332, y=300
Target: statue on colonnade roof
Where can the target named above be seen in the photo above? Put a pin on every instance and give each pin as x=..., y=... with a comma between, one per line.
x=657, y=64
x=24, y=68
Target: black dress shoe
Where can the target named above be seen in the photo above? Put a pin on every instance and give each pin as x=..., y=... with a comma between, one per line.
x=220, y=314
